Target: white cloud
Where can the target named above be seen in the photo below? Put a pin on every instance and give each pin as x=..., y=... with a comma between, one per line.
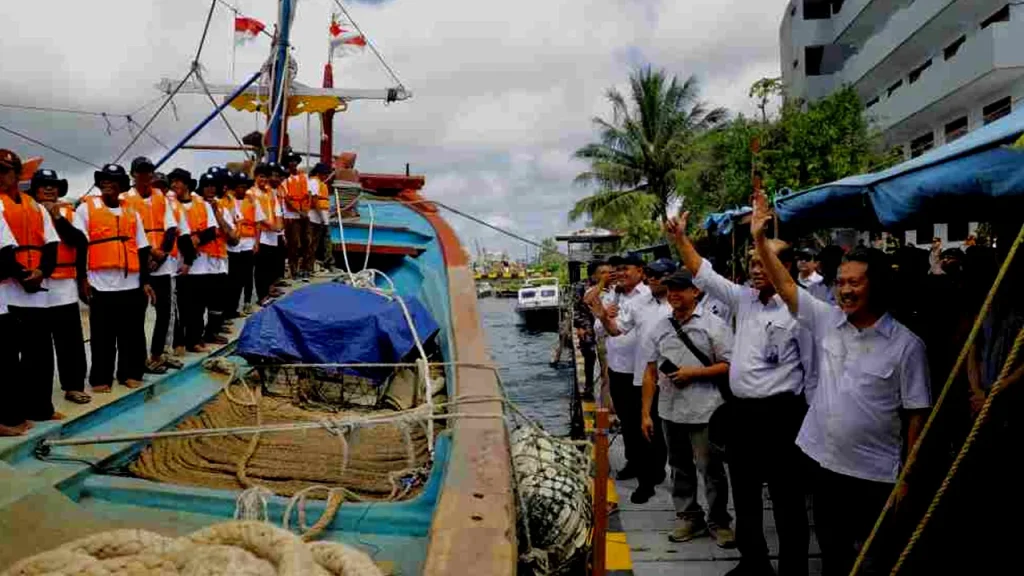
x=504, y=91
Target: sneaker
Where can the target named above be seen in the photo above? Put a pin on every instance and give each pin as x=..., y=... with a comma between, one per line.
x=687, y=530
x=641, y=495
x=724, y=537
x=748, y=567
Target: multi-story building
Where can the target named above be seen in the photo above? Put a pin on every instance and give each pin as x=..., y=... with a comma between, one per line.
x=928, y=71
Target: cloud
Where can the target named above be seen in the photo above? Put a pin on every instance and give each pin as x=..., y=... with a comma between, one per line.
x=504, y=92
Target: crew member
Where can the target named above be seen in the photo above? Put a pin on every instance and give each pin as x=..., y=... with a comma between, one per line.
x=267, y=255
x=771, y=360
x=12, y=423
x=117, y=284
x=26, y=295
x=182, y=186
x=296, y=218
x=319, y=218
x=65, y=317
x=248, y=216
x=277, y=176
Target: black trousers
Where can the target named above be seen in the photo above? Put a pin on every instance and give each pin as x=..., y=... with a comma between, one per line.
x=117, y=329
x=266, y=268
x=240, y=270
x=34, y=339
x=193, y=298
x=647, y=457
x=69, y=344
x=845, y=510
x=179, y=323
x=296, y=230
x=762, y=450
x=12, y=412
x=589, y=352
x=162, y=287
x=219, y=286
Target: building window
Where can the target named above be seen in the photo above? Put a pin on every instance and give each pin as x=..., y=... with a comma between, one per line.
x=956, y=231
x=925, y=233
x=870, y=103
x=915, y=74
x=922, y=144
x=894, y=87
x=813, y=56
x=956, y=129
x=1003, y=15
x=997, y=110
x=953, y=48
x=817, y=9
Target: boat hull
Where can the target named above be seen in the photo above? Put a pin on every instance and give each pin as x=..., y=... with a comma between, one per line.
x=541, y=318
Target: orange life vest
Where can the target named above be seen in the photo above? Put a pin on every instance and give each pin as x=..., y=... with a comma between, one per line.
x=246, y=216
x=153, y=214
x=25, y=220
x=297, y=193
x=198, y=221
x=178, y=211
x=66, y=253
x=112, y=244
x=323, y=200
x=268, y=202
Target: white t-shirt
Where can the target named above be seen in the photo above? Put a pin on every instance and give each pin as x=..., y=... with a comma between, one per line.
x=111, y=280
x=6, y=239
x=621, y=350
x=11, y=291
x=245, y=244
x=269, y=237
x=316, y=216
x=206, y=264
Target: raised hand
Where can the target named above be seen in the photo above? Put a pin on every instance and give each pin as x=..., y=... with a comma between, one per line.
x=761, y=214
x=675, y=227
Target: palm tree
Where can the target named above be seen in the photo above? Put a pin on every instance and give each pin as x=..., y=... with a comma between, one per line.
x=642, y=149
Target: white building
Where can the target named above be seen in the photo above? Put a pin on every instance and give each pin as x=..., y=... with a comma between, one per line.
x=928, y=71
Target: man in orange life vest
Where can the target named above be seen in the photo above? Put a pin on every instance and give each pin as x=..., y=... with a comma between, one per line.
x=212, y=230
x=296, y=217
x=11, y=424
x=276, y=180
x=25, y=294
x=65, y=318
x=248, y=215
x=319, y=218
x=268, y=255
x=116, y=286
x=182, y=184
x=162, y=230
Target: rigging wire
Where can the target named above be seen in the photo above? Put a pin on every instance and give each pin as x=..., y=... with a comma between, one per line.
x=150, y=134
x=220, y=112
x=491, y=226
x=206, y=29
x=63, y=110
x=369, y=43
x=47, y=146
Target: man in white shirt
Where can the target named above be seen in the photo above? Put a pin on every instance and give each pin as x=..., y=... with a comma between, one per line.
x=771, y=359
x=248, y=216
x=12, y=422
x=268, y=256
x=873, y=382
x=681, y=386
x=808, y=269
x=117, y=284
x=182, y=184
x=624, y=321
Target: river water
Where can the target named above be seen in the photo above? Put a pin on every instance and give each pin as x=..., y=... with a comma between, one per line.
x=538, y=389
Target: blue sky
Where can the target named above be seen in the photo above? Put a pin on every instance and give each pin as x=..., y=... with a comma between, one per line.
x=504, y=92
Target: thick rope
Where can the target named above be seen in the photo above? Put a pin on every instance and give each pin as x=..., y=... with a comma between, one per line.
x=979, y=422
x=986, y=308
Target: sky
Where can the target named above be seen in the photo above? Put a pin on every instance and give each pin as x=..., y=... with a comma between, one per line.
x=503, y=92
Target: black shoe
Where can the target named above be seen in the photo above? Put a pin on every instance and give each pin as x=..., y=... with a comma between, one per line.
x=627, y=473
x=641, y=495
x=752, y=568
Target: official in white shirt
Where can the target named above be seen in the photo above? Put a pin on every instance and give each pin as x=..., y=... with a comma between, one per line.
x=873, y=382
x=771, y=360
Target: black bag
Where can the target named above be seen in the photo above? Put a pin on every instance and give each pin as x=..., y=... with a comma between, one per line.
x=720, y=424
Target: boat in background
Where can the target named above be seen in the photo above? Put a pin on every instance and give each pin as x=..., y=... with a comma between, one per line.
x=540, y=304
x=484, y=290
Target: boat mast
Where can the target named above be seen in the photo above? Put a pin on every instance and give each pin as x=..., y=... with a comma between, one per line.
x=327, y=121
x=278, y=111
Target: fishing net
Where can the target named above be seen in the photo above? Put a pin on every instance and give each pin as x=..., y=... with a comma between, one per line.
x=382, y=461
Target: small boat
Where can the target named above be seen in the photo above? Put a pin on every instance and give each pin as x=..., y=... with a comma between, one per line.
x=540, y=304
x=484, y=290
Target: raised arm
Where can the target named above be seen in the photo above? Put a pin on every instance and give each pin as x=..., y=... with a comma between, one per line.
x=784, y=284
x=676, y=230
x=704, y=275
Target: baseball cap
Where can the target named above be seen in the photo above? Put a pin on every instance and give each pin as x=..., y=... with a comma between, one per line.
x=680, y=280
x=660, y=267
x=142, y=164
x=627, y=260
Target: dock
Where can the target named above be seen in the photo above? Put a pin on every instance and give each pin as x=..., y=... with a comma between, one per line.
x=637, y=541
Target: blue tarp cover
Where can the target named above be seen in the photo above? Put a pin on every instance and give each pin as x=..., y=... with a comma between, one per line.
x=334, y=324
x=972, y=178
x=721, y=222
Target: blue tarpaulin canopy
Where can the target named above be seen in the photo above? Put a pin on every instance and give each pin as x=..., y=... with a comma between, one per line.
x=334, y=324
x=970, y=179
x=722, y=222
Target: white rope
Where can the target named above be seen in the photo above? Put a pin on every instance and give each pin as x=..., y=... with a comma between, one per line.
x=251, y=504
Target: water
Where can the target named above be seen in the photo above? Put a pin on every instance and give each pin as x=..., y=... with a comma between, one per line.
x=538, y=389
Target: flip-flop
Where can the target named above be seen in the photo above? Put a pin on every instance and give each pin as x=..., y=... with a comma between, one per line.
x=133, y=384
x=174, y=363
x=103, y=389
x=155, y=367
x=77, y=396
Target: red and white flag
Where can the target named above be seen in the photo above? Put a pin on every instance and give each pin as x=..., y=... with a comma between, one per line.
x=247, y=29
x=345, y=40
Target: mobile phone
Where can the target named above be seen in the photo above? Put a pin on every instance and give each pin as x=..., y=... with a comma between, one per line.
x=667, y=368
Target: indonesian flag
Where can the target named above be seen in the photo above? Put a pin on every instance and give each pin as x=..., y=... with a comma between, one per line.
x=345, y=41
x=247, y=29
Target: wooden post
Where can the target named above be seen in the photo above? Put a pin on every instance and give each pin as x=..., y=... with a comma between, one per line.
x=600, y=492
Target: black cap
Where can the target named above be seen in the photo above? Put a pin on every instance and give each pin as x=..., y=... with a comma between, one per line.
x=320, y=168
x=291, y=157
x=159, y=178
x=142, y=164
x=46, y=177
x=112, y=173
x=262, y=169
x=209, y=179
x=627, y=260
x=660, y=268
x=184, y=176
x=276, y=168
x=240, y=179
x=680, y=280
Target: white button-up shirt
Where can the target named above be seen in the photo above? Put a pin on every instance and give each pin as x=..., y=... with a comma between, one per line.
x=772, y=354
x=865, y=377
x=621, y=350
x=693, y=402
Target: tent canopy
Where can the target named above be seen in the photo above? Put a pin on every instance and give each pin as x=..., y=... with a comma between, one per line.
x=969, y=179
x=722, y=222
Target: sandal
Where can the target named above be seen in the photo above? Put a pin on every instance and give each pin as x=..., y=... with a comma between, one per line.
x=102, y=389
x=132, y=383
x=155, y=367
x=173, y=363
x=77, y=396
